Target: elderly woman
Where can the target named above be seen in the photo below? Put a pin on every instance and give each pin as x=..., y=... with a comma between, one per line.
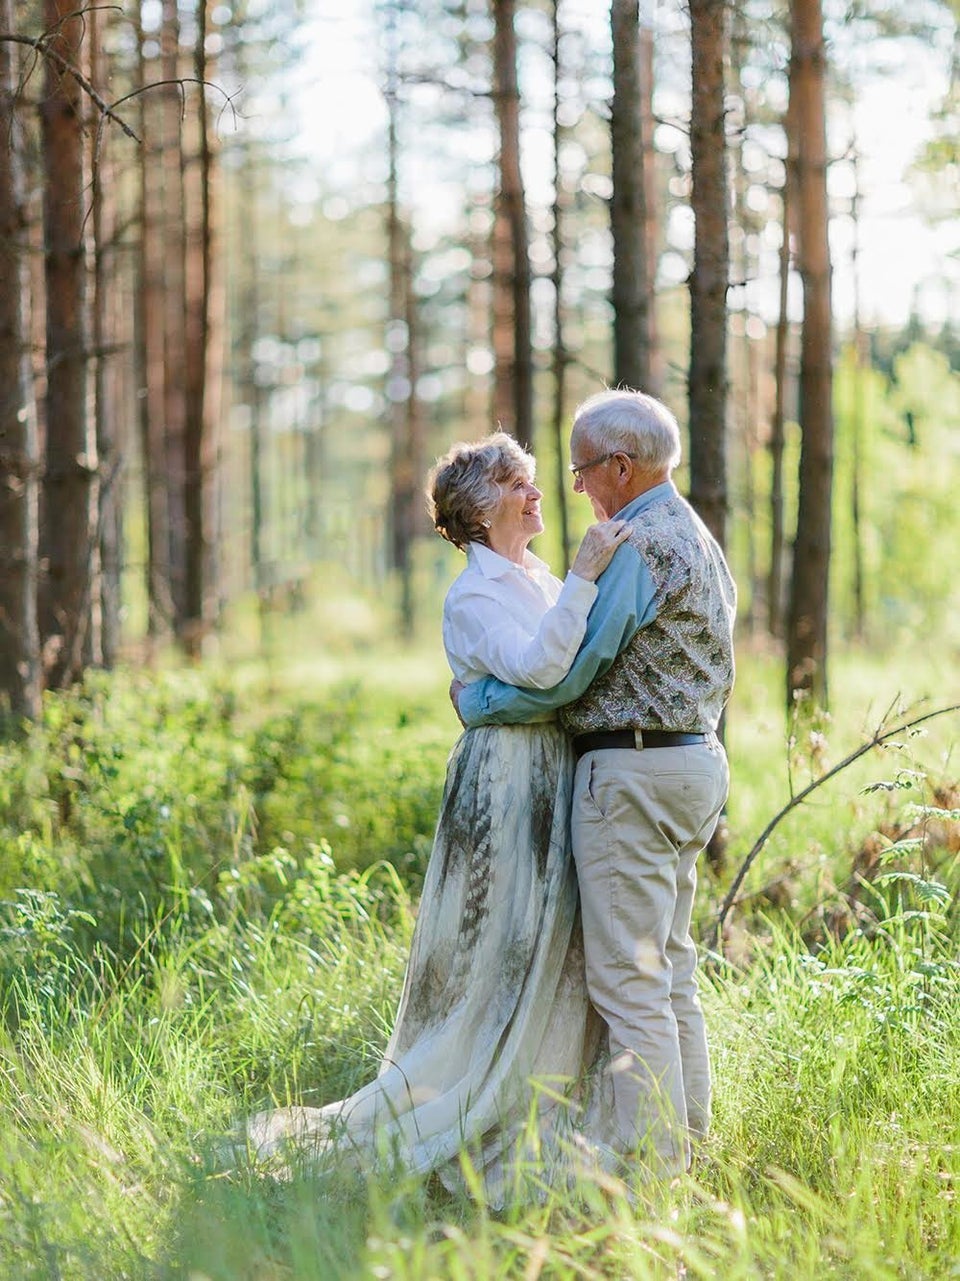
x=506, y=615
x=494, y=996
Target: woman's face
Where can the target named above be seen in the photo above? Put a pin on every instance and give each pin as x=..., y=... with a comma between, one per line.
x=516, y=518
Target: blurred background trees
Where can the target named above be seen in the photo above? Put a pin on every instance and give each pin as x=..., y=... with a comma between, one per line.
x=246, y=296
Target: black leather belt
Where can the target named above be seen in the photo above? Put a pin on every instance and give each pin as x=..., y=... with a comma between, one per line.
x=640, y=738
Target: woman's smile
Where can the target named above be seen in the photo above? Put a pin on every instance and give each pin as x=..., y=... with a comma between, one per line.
x=516, y=518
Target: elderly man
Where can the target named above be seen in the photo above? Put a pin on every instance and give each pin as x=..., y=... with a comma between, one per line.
x=642, y=702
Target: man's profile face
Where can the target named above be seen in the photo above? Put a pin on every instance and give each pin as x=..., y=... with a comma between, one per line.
x=597, y=477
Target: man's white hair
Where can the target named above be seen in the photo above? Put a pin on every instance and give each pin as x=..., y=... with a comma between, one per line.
x=630, y=422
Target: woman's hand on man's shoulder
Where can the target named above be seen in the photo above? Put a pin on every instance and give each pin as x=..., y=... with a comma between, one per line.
x=597, y=549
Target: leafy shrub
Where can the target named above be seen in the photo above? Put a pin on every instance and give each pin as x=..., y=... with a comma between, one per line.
x=133, y=795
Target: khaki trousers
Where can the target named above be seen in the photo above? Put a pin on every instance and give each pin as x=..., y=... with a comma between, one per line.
x=639, y=821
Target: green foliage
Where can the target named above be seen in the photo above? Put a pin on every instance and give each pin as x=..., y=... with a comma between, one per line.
x=894, y=519
x=185, y=962
x=834, y=1151
x=900, y=440
x=136, y=795
x=113, y=1076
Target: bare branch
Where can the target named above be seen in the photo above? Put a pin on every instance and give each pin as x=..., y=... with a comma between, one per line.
x=879, y=736
x=181, y=82
x=42, y=46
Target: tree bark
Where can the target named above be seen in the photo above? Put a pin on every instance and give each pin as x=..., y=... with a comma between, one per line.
x=707, y=378
x=651, y=196
x=19, y=459
x=631, y=287
x=806, y=673
x=406, y=455
x=69, y=496
x=198, y=445
x=742, y=355
x=857, y=423
x=105, y=399
x=248, y=389
x=775, y=580
x=173, y=287
x=511, y=215
x=148, y=346
x=561, y=356
x=708, y=281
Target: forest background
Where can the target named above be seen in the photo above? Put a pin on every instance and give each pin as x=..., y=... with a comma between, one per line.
x=259, y=264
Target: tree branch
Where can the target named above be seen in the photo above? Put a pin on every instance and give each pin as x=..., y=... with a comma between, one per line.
x=42, y=45
x=879, y=737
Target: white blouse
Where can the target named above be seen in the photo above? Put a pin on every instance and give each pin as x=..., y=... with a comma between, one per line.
x=516, y=622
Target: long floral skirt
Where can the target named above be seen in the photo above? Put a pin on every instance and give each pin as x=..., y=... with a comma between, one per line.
x=495, y=1035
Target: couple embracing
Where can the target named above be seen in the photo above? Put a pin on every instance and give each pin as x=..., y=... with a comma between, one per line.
x=550, y=1009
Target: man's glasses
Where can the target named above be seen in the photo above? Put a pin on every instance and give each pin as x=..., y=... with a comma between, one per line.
x=577, y=472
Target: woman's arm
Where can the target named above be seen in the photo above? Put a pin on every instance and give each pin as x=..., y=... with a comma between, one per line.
x=486, y=637
x=625, y=603
x=480, y=632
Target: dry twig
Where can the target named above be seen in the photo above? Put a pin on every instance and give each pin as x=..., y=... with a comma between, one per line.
x=879, y=737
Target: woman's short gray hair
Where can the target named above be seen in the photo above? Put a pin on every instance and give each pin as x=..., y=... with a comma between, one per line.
x=463, y=488
x=630, y=422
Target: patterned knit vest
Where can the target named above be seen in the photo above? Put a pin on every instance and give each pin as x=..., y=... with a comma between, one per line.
x=677, y=672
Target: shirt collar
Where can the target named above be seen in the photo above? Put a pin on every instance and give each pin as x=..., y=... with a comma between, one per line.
x=492, y=565
x=666, y=489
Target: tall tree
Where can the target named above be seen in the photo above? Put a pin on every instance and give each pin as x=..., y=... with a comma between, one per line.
x=708, y=280
x=106, y=401
x=743, y=354
x=857, y=425
x=807, y=618
x=172, y=162
x=201, y=364
x=631, y=273
x=248, y=389
x=707, y=376
x=19, y=462
x=149, y=352
x=651, y=202
x=511, y=258
x=561, y=357
x=69, y=496
x=778, y=417
x=406, y=452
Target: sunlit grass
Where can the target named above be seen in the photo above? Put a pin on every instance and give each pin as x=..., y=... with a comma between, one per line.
x=835, y=1151
x=267, y=964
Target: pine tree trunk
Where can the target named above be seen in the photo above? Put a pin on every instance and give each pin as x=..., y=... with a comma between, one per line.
x=173, y=284
x=110, y=450
x=248, y=389
x=651, y=200
x=561, y=356
x=406, y=463
x=708, y=281
x=858, y=423
x=744, y=267
x=707, y=377
x=19, y=460
x=69, y=498
x=149, y=359
x=775, y=581
x=512, y=216
x=480, y=400
x=631, y=288
x=807, y=622
x=198, y=600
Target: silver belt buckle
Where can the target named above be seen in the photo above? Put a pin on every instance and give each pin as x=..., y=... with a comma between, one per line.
x=638, y=739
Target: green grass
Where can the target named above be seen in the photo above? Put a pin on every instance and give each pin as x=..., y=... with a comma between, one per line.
x=205, y=933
